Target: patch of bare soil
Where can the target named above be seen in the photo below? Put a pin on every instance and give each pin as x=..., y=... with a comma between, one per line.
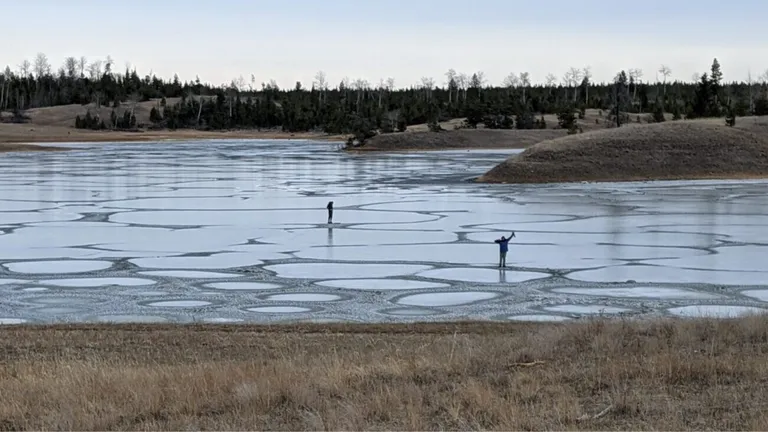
x=672, y=150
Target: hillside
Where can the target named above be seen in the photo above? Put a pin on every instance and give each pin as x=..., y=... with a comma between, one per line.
x=672, y=150
x=418, y=137
x=56, y=124
x=460, y=139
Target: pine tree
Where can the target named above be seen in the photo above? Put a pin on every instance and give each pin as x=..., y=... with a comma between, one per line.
x=154, y=116
x=566, y=119
x=701, y=103
x=715, y=87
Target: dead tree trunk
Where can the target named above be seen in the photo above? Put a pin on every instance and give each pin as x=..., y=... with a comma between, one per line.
x=199, y=109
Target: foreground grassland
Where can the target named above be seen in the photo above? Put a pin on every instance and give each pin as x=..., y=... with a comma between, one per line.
x=628, y=375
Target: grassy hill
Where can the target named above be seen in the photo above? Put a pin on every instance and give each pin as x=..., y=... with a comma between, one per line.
x=673, y=150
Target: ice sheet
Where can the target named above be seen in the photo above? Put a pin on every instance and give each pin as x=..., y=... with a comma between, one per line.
x=57, y=267
x=380, y=284
x=448, y=298
x=343, y=271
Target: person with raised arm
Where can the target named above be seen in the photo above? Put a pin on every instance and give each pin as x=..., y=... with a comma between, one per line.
x=503, y=248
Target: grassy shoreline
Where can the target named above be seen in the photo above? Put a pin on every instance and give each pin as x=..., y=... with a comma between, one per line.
x=690, y=150
x=619, y=374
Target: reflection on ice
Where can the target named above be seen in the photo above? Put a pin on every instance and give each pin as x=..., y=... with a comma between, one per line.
x=303, y=297
x=446, y=298
x=480, y=275
x=343, y=271
x=659, y=274
x=11, y=321
x=380, y=284
x=57, y=267
x=188, y=274
x=410, y=312
x=637, y=292
x=97, y=282
x=586, y=309
x=180, y=303
x=215, y=261
x=242, y=286
x=279, y=309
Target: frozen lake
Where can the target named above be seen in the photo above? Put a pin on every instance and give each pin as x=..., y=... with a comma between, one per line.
x=236, y=232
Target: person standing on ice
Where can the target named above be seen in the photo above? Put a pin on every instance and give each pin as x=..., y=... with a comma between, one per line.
x=503, y=248
x=330, y=212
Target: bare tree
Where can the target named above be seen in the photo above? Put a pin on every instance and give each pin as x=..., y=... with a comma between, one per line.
x=252, y=84
x=321, y=83
x=575, y=76
x=94, y=70
x=381, y=89
x=587, y=74
x=635, y=75
x=751, y=94
x=481, y=81
x=41, y=67
x=763, y=79
x=525, y=82
x=427, y=83
x=462, y=81
x=451, y=82
x=511, y=81
x=108, y=65
x=239, y=83
x=665, y=72
x=70, y=66
x=82, y=64
x=550, y=79
x=696, y=77
x=25, y=68
x=390, y=84
x=360, y=86
x=3, y=78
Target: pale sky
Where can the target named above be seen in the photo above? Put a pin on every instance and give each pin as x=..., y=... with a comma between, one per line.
x=290, y=40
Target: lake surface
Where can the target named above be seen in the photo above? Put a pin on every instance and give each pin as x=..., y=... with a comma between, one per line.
x=236, y=231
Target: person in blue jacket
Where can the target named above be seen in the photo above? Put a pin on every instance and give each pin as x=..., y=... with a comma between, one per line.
x=503, y=248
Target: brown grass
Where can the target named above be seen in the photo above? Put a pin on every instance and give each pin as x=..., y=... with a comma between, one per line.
x=56, y=124
x=460, y=139
x=597, y=375
x=26, y=133
x=10, y=147
x=671, y=150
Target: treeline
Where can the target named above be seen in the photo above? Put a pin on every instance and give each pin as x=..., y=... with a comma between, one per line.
x=361, y=108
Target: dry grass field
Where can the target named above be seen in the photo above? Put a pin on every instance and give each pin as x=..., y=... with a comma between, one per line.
x=673, y=150
x=56, y=124
x=459, y=139
x=595, y=375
